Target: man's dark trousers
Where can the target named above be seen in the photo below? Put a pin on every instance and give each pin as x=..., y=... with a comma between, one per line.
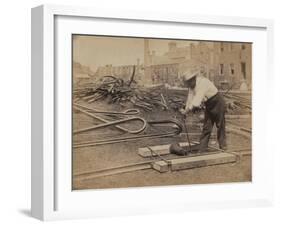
x=214, y=114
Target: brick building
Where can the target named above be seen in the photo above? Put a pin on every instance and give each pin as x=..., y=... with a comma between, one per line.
x=227, y=64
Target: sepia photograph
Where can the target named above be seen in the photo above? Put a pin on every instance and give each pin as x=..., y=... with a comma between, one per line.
x=160, y=112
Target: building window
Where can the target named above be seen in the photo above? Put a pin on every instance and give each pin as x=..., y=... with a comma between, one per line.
x=243, y=46
x=232, y=69
x=231, y=46
x=221, y=46
x=221, y=69
x=243, y=69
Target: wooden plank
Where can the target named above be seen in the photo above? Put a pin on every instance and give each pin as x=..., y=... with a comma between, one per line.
x=194, y=162
x=158, y=149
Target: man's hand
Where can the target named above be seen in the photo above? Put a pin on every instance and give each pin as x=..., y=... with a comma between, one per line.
x=167, y=86
x=196, y=110
x=183, y=111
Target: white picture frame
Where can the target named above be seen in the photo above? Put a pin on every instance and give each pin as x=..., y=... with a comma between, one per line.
x=52, y=197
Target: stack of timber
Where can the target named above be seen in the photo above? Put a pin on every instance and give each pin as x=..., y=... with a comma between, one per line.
x=194, y=162
x=214, y=156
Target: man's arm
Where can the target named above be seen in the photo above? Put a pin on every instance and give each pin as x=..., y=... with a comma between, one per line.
x=188, y=99
x=197, y=99
x=194, y=99
x=203, y=89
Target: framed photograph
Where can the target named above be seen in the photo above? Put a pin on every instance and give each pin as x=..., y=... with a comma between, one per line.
x=137, y=112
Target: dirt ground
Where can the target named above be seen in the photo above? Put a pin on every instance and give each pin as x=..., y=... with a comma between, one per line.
x=95, y=158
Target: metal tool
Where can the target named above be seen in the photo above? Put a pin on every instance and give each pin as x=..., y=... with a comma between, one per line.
x=185, y=128
x=106, y=121
x=177, y=130
x=186, y=132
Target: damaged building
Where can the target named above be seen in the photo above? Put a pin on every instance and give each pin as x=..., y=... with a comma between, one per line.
x=81, y=74
x=121, y=71
x=227, y=64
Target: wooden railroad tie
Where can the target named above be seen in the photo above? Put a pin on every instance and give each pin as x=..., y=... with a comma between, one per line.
x=194, y=162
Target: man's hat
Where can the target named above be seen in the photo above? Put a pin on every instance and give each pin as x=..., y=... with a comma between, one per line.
x=187, y=75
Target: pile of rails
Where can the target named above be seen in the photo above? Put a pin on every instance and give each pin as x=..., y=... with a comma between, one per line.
x=237, y=103
x=117, y=91
x=108, y=86
x=128, y=93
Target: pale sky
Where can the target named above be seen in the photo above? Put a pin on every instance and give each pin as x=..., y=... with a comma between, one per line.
x=95, y=51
